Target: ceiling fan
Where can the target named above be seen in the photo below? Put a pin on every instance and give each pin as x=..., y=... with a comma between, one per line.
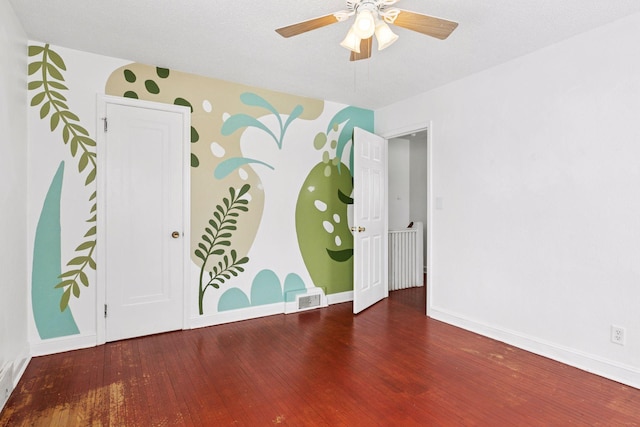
x=372, y=17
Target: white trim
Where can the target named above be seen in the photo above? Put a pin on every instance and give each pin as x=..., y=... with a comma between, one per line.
x=258, y=311
x=19, y=368
x=610, y=369
x=236, y=315
x=340, y=297
x=59, y=345
x=102, y=101
x=396, y=133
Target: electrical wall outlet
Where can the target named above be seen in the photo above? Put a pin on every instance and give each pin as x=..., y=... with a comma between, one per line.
x=617, y=334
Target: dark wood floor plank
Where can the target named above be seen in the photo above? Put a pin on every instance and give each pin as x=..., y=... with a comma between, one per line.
x=389, y=365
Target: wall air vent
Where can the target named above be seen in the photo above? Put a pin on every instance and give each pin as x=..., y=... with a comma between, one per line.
x=308, y=301
x=305, y=299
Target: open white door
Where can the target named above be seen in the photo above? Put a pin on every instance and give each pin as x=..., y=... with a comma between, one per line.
x=370, y=220
x=142, y=217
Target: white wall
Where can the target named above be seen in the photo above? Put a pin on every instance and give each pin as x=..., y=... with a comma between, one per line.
x=399, y=183
x=418, y=186
x=13, y=185
x=537, y=162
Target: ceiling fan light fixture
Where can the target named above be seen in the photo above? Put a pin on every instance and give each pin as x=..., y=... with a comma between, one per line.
x=365, y=24
x=384, y=35
x=351, y=41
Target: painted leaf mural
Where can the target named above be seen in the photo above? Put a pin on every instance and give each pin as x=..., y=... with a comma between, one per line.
x=322, y=211
x=218, y=261
x=265, y=289
x=249, y=136
x=241, y=121
x=46, y=68
x=323, y=228
x=51, y=321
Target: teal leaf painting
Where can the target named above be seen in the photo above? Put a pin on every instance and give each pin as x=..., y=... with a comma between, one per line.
x=233, y=299
x=293, y=285
x=227, y=166
x=265, y=289
x=352, y=117
x=241, y=120
x=45, y=297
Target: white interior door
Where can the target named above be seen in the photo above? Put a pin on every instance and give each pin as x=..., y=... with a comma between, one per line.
x=370, y=224
x=141, y=233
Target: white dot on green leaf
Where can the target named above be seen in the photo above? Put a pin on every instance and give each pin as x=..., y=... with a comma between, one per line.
x=327, y=171
x=243, y=174
x=217, y=149
x=336, y=218
x=311, y=189
x=320, y=205
x=338, y=241
x=327, y=226
x=206, y=106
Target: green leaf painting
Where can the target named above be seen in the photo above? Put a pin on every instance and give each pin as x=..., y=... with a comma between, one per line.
x=50, y=321
x=325, y=241
x=47, y=68
x=218, y=262
x=322, y=228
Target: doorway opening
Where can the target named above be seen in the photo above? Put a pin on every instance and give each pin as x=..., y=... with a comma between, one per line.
x=409, y=194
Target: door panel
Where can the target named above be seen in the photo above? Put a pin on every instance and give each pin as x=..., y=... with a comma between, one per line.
x=370, y=227
x=143, y=184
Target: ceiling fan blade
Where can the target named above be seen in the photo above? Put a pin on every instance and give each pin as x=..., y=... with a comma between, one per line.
x=303, y=27
x=365, y=50
x=425, y=24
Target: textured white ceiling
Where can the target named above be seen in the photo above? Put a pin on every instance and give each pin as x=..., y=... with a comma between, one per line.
x=235, y=40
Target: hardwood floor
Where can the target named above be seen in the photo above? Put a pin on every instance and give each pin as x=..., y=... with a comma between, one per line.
x=389, y=365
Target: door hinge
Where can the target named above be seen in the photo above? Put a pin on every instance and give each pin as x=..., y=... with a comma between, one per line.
x=105, y=311
x=104, y=119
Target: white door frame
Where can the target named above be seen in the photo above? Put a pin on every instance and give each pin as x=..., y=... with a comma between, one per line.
x=101, y=289
x=395, y=133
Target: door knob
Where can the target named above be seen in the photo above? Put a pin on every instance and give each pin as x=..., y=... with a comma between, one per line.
x=175, y=234
x=359, y=230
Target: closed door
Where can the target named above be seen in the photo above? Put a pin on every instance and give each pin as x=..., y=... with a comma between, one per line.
x=370, y=226
x=143, y=226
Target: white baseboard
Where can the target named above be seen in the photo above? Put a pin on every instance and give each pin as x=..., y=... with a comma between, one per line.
x=6, y=383
x=236, y=315
x=612, y=370
x=59, y=345
x=255, y=312
x=11, y=373
x=20, y=365
x=340, y=297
